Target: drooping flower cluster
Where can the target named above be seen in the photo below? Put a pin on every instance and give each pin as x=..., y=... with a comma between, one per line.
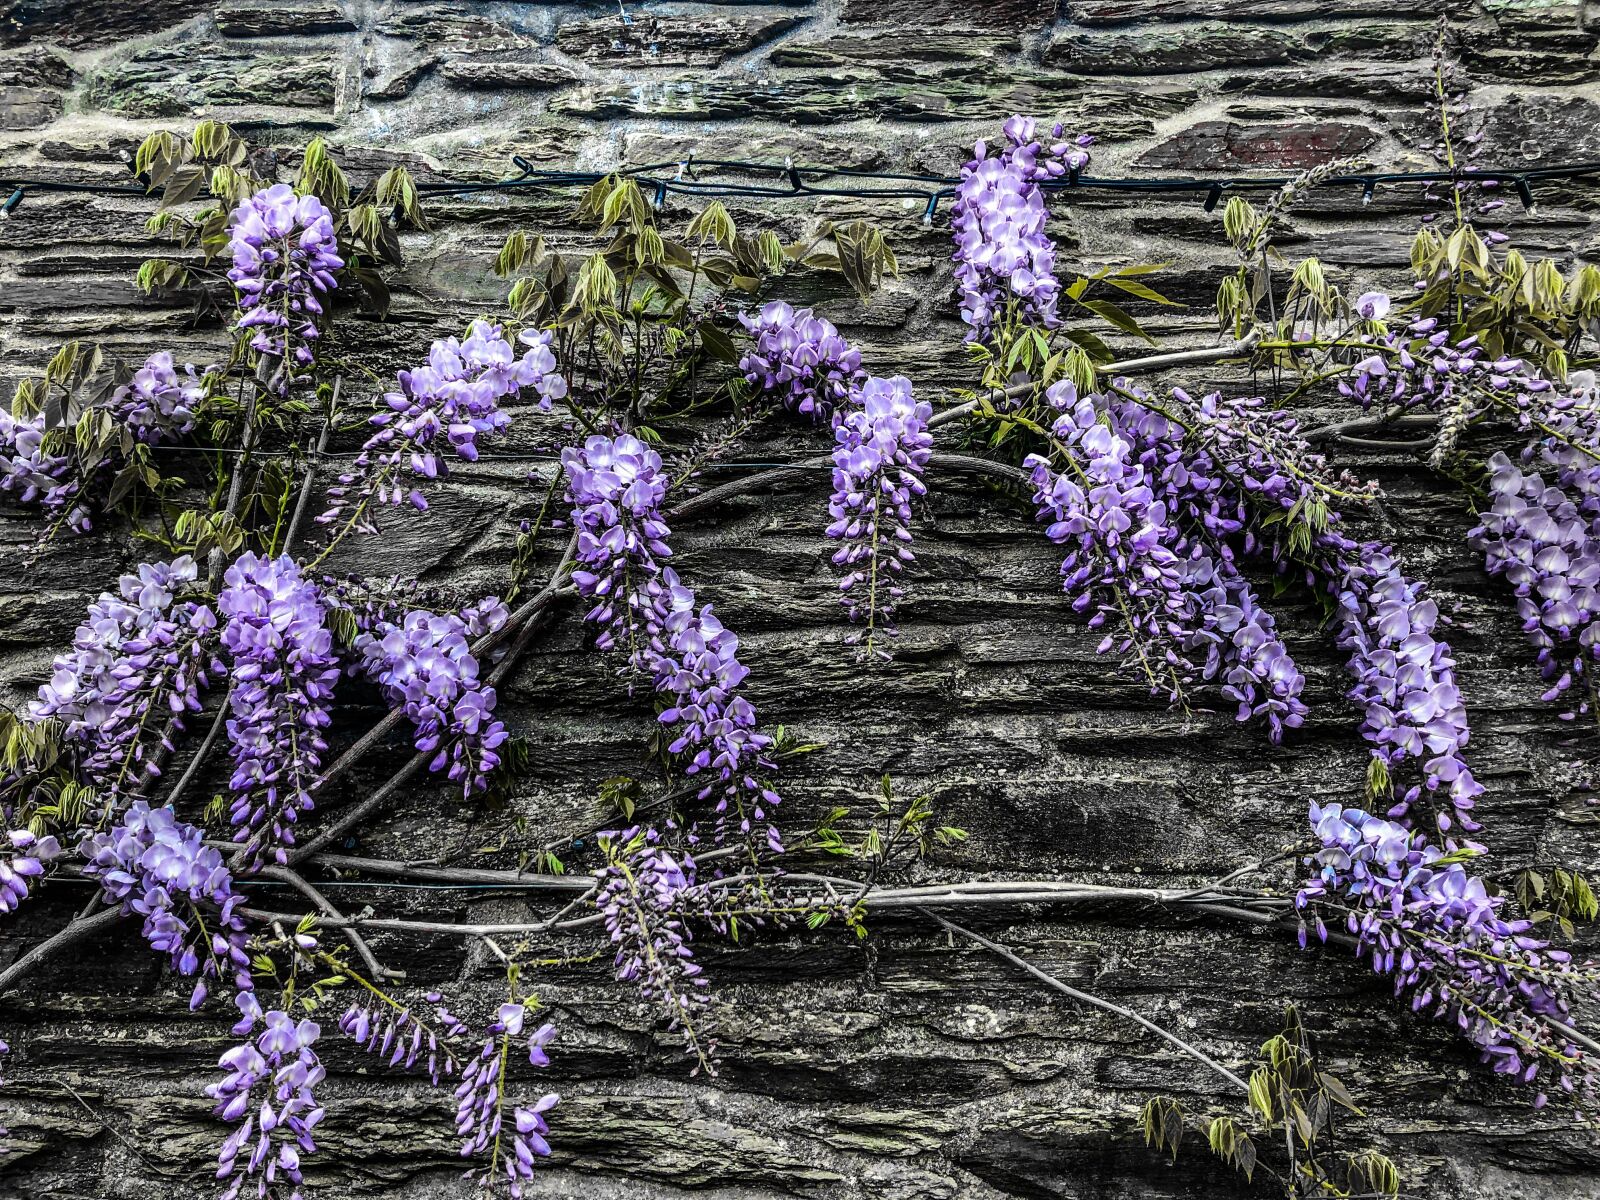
x=480, y=1104
x=156, y=405
x=267, y=1148
x=139, y=658
x=643, y=892
x=1004, y=259
x=1535, y=535
x=1425, y=921
x=283, y=668
x=24, y=860
x=425, y=664
x=448, y=403
x=155, y=865
x=34, y=476
x=801, y=358
x=399, y=1034
x=616, y=487
x=285, y=253
x=882, y=448
x=1406, y=683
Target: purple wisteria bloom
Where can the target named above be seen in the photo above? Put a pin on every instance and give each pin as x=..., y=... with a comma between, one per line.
x=882, y=448
x=447, y=404
x=1424, y=921
x=22, y=859
x=35, y=476
x=644, y=891
x=285, y=253
x=404, y=1037
x=140, y=658
x=159, y=867
x=283, y=668
x=273, y=1134
x=425, y=664
x=801, y=358
x=158, y=404
x=481, y=1123
x=1005, y=262
x=1546, y=546
x=616, y=487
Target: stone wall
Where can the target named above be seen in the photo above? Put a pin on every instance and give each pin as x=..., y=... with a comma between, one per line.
x=901, y=1066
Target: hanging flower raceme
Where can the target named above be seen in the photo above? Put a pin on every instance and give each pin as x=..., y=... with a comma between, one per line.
x=447, y=404
x=404, y=1037
x=1406, y=683
x=284, y=669
x=1005, y=262
x=480, y=1104
x=285, y=253
x=1548, y=549
x=281, y=1065
x=644, y=891
x=34, y=476
x=140, y=659
x=800, y=358
x=159, y=867
x=882, y=448
x=616, y=487
x=158, y=404
x=23, y=859
x=1421, y=919
x=425, y=664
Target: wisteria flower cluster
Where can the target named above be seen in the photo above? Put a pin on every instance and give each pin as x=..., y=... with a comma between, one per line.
x=801, y=358
x=285, y=253
x=159, y=867
x=450, y=402
x=139, y=657
x=616, y=487
x=267, y=1147
x=644, y=892
x=1003, y=256
x=159, y=403
x=284, y=668
x=34, y=476
x=425, y=665
x=1423, y=920
x=1535, y=535
x=882, y=449
x=480, y=1104
x=26, y=859
x=399, y=1034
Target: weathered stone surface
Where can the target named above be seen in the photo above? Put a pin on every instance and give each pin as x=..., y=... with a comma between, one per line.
x=1175, y=49
x=28, y=108
x=668, y=41
x=184, y=78
x=250, y=19
x=1220, y=145
x=900, y=1066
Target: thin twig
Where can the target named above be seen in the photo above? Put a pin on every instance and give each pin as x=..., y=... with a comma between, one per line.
x=298, y=882
x=311, y=468
x=200, y=755
x=73, y=933
x=1085, y=998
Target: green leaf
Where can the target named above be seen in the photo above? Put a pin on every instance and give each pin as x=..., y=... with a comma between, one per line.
x=1134, y=288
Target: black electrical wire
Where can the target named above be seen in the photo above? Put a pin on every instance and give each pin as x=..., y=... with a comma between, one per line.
x=789, y=180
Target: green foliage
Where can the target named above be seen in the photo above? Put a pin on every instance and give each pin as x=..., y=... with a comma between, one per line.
x=1291, y=1105
x=1557, y=895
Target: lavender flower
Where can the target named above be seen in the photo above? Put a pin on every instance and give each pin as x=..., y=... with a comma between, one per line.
x=480, y=1104
x=1005, y=262
x=285, y=254
x=450, y=402
x=643, y=891
x=401, y=1035
x=140, y=653
x=426, y=665
x=155, y=865
x=283, y=669
x=883, y=446
x=268, y=1145
x=158, y=404
x=25, y=860
x=1419, y=917
x=616, y=487
x=34, y=476
x=801, y=358
x=1538, y=538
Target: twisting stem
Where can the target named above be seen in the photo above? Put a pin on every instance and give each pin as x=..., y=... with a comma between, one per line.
x=74, y=932
x=200, y=755
x=311, y=468
x=264, y=371
x=1085, y=998
x=298, y=882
